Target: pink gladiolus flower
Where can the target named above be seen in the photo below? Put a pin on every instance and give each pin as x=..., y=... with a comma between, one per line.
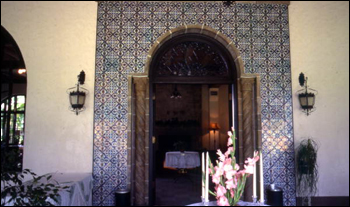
x=228, y=165
x=221, y=156
x=240, y=174
x=226, y=174
x=222, y=201
x=249, y=169
x=230, y=184
x=229, y=134
x=256, y=153
x=237, y=167
x=232, y=193
x=216, y=179
x=229, y=142
x=228, y=153
x=220, y=169
x=220, y=191
x=229, y=174
x=252, y=161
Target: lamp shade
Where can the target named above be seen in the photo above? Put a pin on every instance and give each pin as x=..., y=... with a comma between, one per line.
x=214, y=126
x=307, y=100
x=77, y=99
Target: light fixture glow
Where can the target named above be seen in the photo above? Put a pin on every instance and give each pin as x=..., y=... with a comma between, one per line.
x=22, y=71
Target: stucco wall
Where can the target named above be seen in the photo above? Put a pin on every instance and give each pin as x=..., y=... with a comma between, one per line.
x=57, y=41
x=319, y=34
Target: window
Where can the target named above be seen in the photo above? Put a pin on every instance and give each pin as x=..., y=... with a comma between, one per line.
x=12, y=129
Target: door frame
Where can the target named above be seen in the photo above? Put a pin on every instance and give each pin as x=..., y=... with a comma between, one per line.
x=247, y=87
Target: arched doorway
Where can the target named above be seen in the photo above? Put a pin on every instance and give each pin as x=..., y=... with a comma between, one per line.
x=13, y=99
x=188, y=55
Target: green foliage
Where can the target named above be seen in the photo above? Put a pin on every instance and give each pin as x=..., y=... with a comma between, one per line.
x=40, y=191
x=307, y=169
x=11, y=159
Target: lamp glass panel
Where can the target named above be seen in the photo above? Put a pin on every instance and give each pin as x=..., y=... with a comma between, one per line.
x=81, y=99
x=311, y=100
x=303, y=101
x=73, y=99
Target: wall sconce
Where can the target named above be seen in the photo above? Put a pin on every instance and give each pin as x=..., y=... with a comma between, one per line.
x=306, y=98
x=214, y=127
x=77, y=97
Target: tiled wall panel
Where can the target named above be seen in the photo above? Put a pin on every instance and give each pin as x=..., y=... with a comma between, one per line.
x=125, y=33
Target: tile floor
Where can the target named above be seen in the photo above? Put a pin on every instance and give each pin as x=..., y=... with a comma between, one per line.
x=175, y=190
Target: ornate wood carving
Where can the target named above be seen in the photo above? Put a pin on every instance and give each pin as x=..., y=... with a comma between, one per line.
x=141, y=135
x=247, y=85
x=192, y=59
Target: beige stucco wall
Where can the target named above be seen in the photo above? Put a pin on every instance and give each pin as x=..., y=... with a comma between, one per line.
x=57, y=41
x=319, y=34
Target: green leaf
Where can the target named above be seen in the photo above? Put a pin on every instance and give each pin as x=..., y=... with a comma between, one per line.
x=212, y=193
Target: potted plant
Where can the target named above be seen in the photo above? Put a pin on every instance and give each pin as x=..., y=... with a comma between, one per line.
x=307, y=170
x=39, y=191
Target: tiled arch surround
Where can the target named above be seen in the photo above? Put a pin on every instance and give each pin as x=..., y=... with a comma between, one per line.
x=249, y=111
x=125, y=33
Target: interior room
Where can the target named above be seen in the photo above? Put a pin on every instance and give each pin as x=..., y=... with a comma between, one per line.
x=182, y=126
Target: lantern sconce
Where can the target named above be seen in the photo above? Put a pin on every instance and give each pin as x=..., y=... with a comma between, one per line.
x=77, y=95
x=307, y=96
x=213, y=127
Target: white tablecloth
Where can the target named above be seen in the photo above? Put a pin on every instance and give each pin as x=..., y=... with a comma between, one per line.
x=80, y=189
x=185, y=160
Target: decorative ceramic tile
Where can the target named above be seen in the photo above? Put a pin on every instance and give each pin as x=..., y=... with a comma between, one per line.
x=125, y=33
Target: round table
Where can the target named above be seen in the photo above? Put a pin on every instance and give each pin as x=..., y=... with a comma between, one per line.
x=182, y=160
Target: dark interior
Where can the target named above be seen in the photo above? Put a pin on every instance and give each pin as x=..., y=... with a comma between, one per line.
x=178, y=127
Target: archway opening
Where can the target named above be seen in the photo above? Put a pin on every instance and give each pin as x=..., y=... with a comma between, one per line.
x=189, y=58
x=13, y=99
x=193, y=76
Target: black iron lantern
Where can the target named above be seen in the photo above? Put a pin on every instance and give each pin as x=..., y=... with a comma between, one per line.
x=77, y=97
x=306, y=96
